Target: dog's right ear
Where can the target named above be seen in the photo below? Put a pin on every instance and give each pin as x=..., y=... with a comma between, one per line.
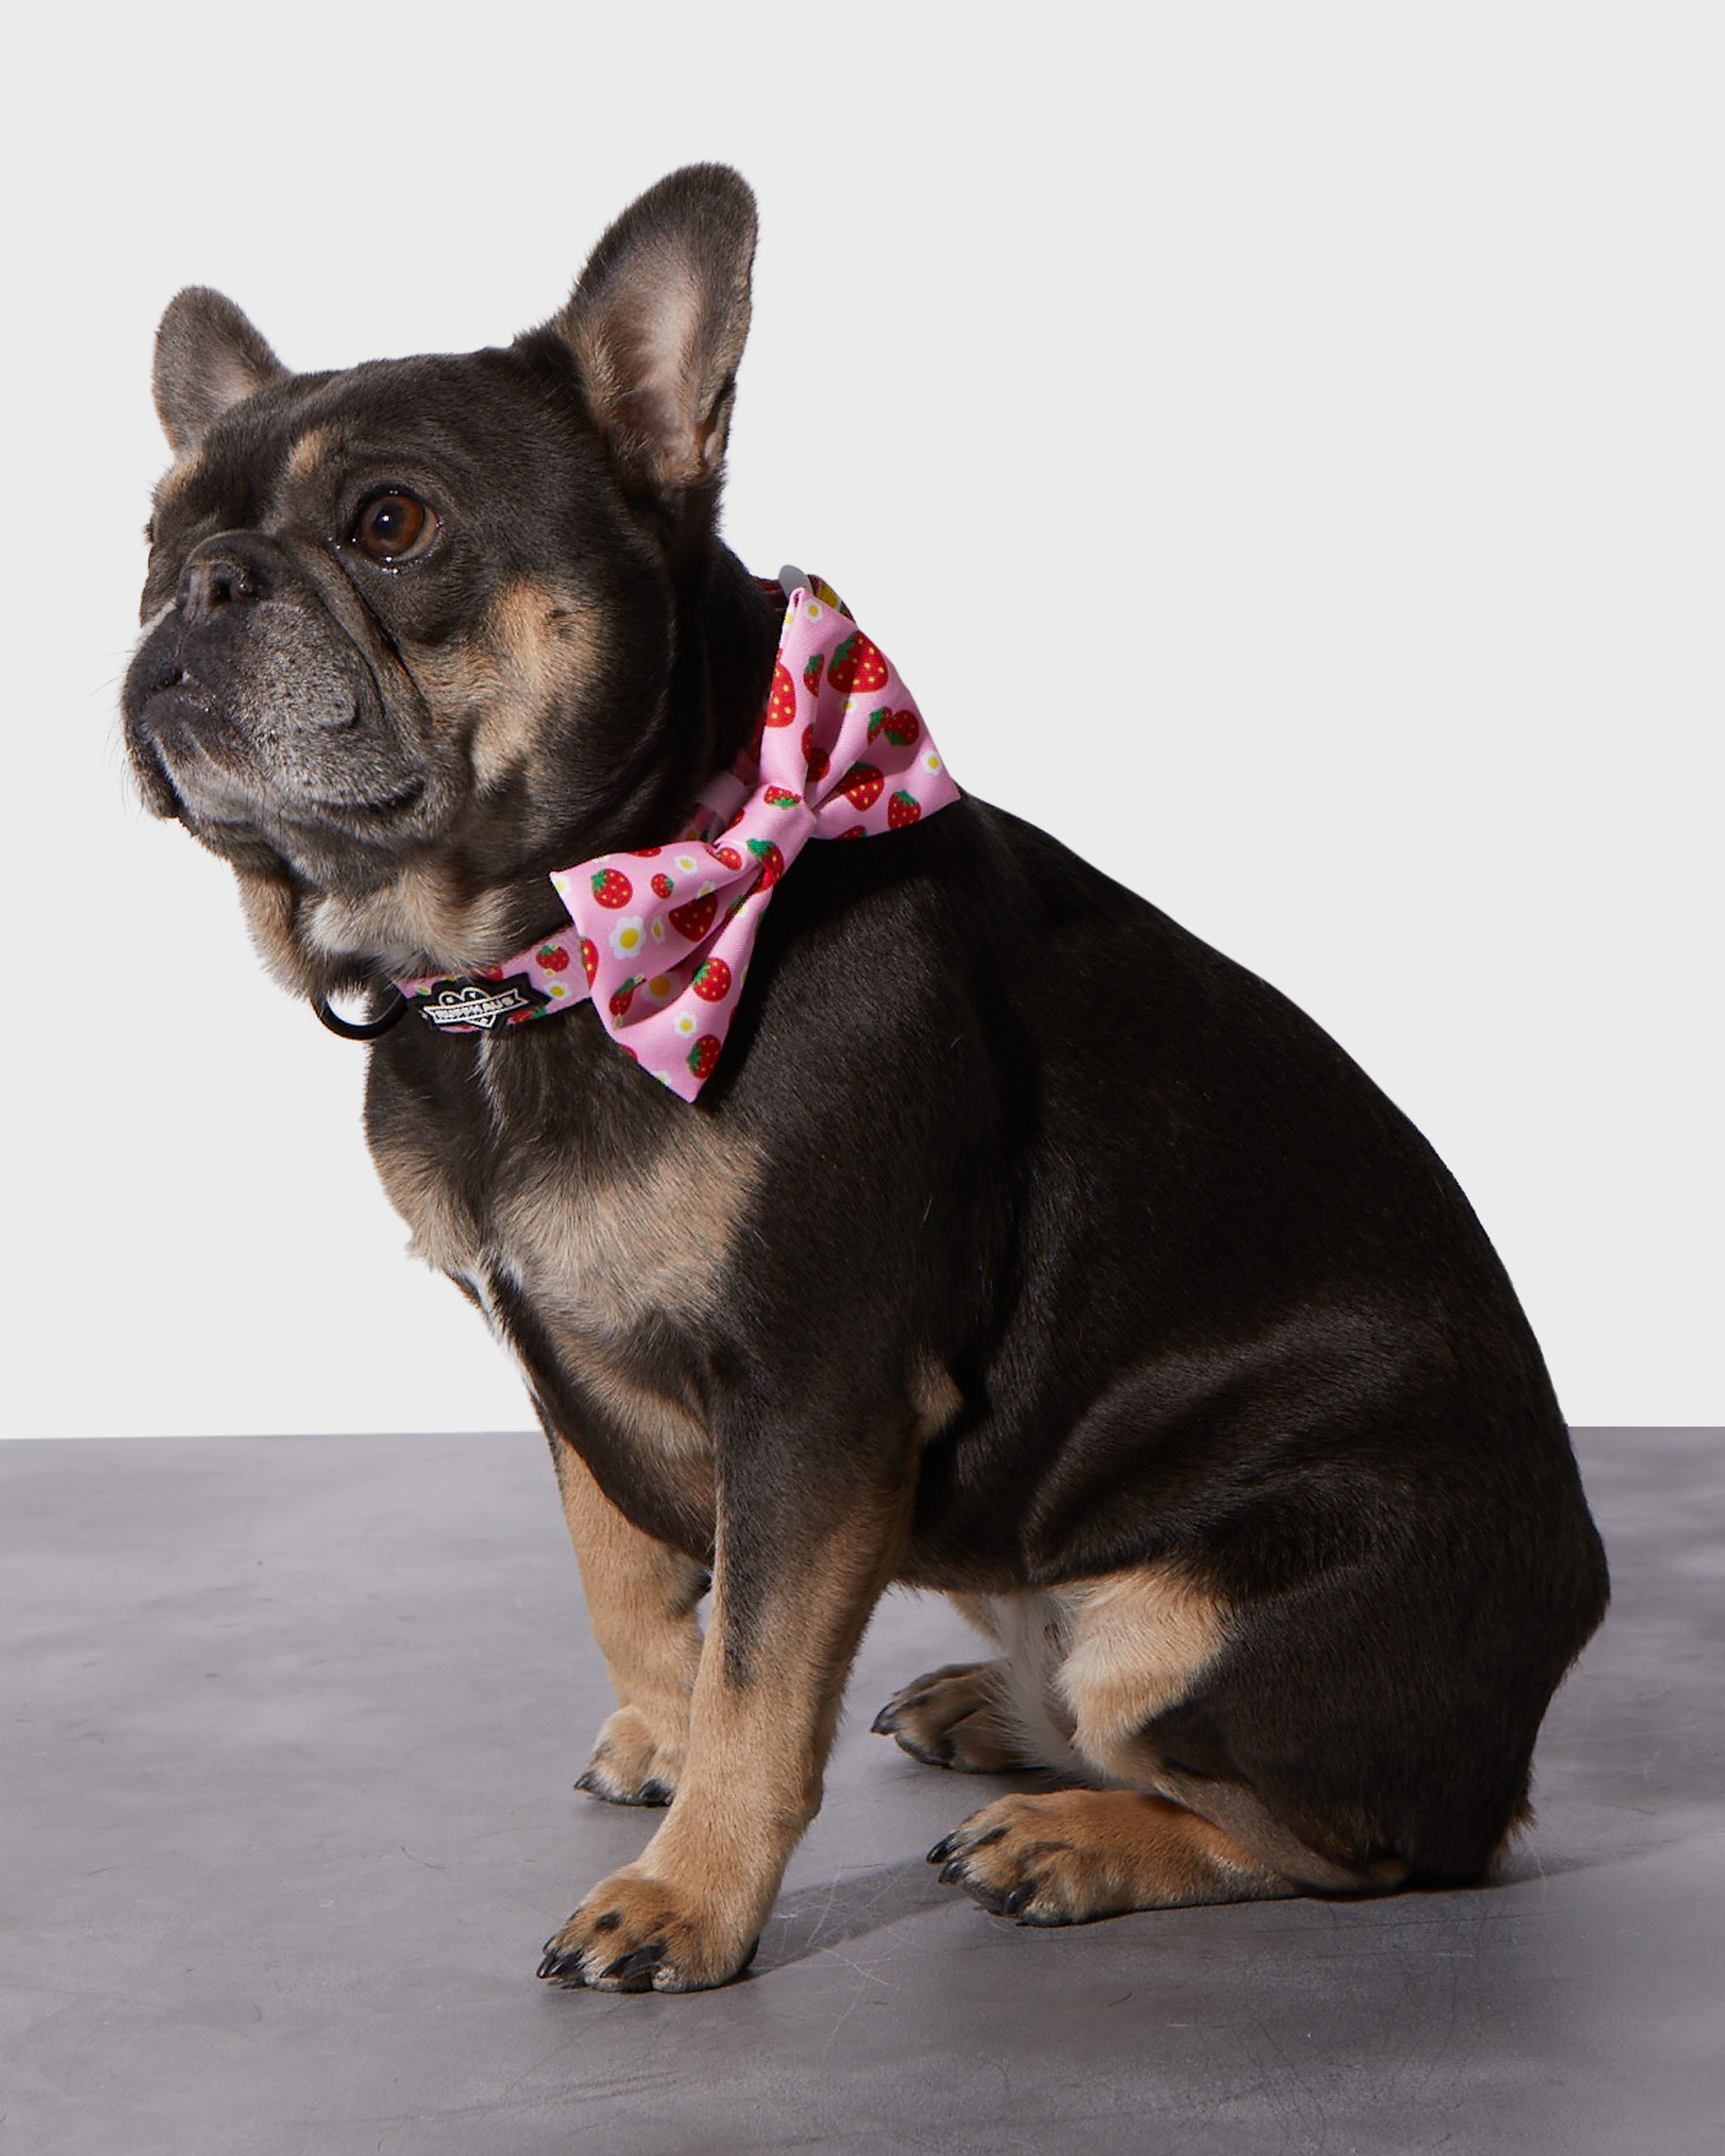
x=207, y=357
x=657, y=324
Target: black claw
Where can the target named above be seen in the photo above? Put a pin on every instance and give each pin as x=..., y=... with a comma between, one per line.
x=1019, y=1895
x=588, y=1782
x=633, y=1971
x=950, y=1870
x=564, y=1969
x=654, y=1792
x=885, y=1722
x=942, y=1849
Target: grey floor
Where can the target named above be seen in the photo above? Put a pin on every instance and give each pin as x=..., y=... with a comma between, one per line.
x=285, y=1814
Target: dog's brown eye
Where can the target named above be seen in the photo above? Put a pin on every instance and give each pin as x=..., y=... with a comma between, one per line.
x=394, y=526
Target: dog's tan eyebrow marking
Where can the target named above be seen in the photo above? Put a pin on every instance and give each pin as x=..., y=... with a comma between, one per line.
x=309, y=451
x=178, y=476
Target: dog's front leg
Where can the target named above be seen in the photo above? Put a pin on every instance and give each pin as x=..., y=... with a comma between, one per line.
x=794, y=1580
x=641, y=1599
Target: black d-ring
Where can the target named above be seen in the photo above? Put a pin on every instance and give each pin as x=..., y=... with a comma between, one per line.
x=371, y=1028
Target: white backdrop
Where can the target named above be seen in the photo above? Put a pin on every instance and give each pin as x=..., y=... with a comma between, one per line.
x=1328, y=397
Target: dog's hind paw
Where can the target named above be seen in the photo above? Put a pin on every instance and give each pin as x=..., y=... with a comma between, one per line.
x=631, y=1763
x=954, y=1717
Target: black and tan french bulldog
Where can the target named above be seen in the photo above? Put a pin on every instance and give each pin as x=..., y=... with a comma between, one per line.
x=1141, y=1324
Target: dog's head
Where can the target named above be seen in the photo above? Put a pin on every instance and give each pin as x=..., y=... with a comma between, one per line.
x=417, y=632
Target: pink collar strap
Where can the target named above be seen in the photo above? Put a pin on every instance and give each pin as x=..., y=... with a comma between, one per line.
x=660, y=939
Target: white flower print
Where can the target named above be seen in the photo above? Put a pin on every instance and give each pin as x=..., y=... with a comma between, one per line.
x=628, y=936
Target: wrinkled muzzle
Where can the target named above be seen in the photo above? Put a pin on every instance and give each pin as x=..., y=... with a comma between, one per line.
x=250, y=703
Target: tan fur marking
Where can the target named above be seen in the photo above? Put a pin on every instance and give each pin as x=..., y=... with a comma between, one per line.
x=1138, y=1640
x=178, y=476
x=537, y=652
x=978, y=1611
x=309, y=452
x=1239, y=1811
x=1084, y=1853
x=445, y=1235
x=936, y=1398
x=752, y=1782
x=268, y=903
x=599, y=1257
x=956, y=1717
x=641, y=1599
x=422, y=921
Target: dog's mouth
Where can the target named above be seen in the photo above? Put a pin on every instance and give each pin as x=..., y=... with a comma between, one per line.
x=262, y=748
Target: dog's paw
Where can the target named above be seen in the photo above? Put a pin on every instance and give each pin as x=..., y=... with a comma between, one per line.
x=634, y=1933
x=1049, y=1860
x=632, y=1764
x=1078, y=1854
x=954, y=1717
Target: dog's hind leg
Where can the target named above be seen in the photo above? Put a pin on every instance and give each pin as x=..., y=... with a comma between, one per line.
x=1135, y=1643
x=1065, y=1858
x=641, y=1599
x=956, y=1717
x=993, y=1718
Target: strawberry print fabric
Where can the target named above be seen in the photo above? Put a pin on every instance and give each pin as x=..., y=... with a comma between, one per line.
x=661, y=938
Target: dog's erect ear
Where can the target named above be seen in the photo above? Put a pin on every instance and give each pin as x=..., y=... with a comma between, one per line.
x=657, y=325
x=207, y=356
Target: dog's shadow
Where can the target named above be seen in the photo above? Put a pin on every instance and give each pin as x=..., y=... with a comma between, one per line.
x=811, y=1920
x=814, y=1919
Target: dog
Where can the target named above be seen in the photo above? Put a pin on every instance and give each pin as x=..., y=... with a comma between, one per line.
x=1009, y=1241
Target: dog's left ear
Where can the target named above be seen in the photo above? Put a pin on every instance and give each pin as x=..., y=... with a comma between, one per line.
x=657, y=325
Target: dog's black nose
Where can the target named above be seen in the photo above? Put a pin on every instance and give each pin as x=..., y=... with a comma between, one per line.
x=218, y=578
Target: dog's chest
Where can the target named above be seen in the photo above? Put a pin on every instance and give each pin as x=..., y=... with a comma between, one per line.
x=590, y=1257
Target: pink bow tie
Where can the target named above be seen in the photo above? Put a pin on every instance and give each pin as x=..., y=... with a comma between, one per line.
x=661, y=938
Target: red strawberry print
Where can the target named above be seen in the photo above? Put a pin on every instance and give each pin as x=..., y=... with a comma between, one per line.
x=611, y=888
x=771, y=860
x=818, y=763
x=696, y=917
x=704, y=1055
x=489, y=972
x=712, y=980
x=902, y=728
x=862, y=785
x=728, y=854
x=811, y=672
x=858, y=667
x=590, y=960
x=553, y=958
x=646, y=852
x=623, y=998
x=663, y=885
x=775, y=797
x=903, y=808
x=856, y=831
x=781, y=702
